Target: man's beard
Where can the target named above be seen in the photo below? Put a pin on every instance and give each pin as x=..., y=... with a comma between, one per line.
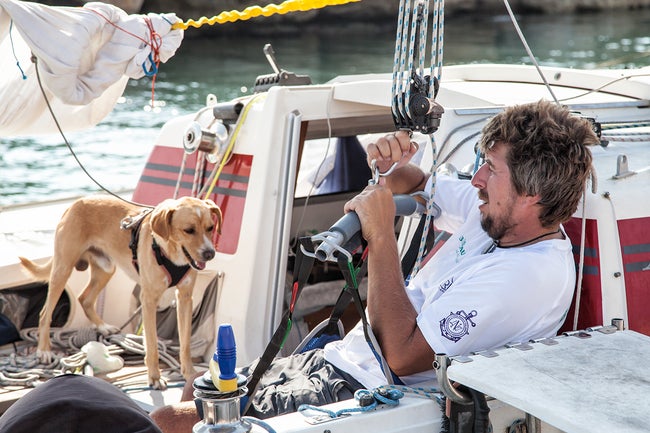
x=496, y=229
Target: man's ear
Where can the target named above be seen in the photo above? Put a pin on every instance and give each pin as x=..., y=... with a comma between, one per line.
x=161, y=221
x=216, y=211
x=529, y=201
x=533, y=199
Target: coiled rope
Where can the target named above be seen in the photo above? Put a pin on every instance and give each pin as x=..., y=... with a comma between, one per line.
x=24, y=368
x=256, y=11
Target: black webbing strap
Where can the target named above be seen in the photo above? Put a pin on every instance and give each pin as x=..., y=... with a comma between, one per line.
x=301, y=270
x=348, y=294
x=351, y=287
x=411, y=255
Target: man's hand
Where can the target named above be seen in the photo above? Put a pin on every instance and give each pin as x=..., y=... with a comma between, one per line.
x=392, y=148
x=397, y=148
x=376, y=210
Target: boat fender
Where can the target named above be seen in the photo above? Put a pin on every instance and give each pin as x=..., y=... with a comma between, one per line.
x=99, y=358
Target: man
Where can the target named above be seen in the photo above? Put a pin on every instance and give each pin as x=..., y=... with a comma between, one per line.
x=505, y=275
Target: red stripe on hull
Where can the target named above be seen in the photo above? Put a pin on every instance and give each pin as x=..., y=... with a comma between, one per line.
x=635, y=245
x=591, y=296
x=159, y=178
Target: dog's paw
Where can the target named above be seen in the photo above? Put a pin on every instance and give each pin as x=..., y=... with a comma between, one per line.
x=158, y=383
x=105, y=329
x=45, y=356
x=189, y=373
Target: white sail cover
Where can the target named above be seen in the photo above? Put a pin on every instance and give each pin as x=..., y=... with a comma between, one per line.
x=85, y=57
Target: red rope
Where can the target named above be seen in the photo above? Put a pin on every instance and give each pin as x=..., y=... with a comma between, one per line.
x=155, y=42
x=294, y=296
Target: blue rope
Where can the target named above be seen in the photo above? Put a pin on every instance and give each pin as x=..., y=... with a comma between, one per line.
x=260, y=423
x=154, y=69
x=13, y=49
x=164, y=18
x=368, y=400
x=431, y=393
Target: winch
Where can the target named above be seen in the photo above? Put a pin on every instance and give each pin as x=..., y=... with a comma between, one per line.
x=218, y=392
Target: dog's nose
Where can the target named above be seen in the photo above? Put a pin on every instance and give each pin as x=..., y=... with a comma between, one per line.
x=208, y=255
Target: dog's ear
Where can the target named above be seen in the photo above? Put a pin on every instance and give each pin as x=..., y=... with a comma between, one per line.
x=161, y=221
x=215, y=211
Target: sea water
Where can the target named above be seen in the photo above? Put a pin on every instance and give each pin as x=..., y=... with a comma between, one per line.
x=41, y=167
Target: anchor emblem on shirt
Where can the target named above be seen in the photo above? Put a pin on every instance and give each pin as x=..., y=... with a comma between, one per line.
x=456, y=325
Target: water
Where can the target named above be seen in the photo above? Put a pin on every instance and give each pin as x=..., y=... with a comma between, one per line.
x=37, y=168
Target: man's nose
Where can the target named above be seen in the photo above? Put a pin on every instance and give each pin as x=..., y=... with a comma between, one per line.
x=479, y=178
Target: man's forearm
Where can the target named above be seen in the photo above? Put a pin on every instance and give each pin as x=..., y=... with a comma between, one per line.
x=406, y=180
x=392, y=316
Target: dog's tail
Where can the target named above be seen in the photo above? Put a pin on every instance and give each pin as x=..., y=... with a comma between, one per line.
x=36, y=271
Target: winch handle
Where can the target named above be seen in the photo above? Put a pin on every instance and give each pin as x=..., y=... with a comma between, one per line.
x=342, y=231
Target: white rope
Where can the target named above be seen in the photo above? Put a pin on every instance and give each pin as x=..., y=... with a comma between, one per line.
x=24, y=368
x=397, y=56
x=436, y=73
x=581, y=261
x=437, y=43
x=430, y=212
x=529, y=51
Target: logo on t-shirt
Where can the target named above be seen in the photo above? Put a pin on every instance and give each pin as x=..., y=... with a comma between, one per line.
x=446, y=285
x=460, y=252
x=456, y=325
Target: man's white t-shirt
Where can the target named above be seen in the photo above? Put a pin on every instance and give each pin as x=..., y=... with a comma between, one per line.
x=468, y=300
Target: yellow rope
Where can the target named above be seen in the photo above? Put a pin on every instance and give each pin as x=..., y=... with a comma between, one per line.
x=255, y=11
x=233, y=138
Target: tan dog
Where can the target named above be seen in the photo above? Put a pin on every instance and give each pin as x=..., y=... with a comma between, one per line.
x=103, y=232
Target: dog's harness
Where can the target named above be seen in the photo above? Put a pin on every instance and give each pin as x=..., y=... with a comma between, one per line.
x=174, y=272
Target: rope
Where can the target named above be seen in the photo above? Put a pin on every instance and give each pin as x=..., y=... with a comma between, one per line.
x=430, y=211
x=155, y=42
x=522, y=38
x=437, y=43
x=260, y=423
x=13, y=50
x=367, y=400
x=398, y=59
x=430, y=393
x=609, y=83
x=231, y=141
x=199, y=169
x=415, y=15
x=25, y=369
x=67, y=143
x=255, y=11
x=630, y=137
x=581, y=260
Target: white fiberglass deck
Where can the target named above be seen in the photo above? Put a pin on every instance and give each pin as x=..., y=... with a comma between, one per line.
x=597, y=383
